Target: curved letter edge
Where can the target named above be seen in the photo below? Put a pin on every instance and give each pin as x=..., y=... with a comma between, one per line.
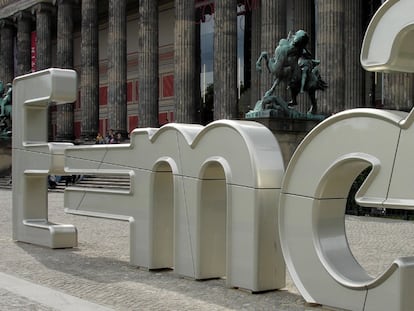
x=312, y=207
x=389, y=40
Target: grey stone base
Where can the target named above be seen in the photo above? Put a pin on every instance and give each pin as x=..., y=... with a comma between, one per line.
x=288, y=132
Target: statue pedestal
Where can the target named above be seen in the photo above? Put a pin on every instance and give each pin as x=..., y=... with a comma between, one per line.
x=288, y=131
x=268, y=113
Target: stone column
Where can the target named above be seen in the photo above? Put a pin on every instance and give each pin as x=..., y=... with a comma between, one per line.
x=330, y=50
x=256, y=92
x=43, y=13
x=303, y=18
x=64, y=59
x=273, y=29
x=89, y=96
x=198, y=110
x=148, y=64
x=64, y=55
x=398, y=91
x=225, y=60
x=6, y=52
x=247, y=49
x=185, y=62
x=24, y=30
x=354, y=73
x=117, y=67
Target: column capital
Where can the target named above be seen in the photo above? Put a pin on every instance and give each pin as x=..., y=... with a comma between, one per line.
x=6, y=23
x=59, y=2
x=22, y=15
x=43, y=7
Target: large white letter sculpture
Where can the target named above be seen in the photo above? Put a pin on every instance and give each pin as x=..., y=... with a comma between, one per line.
x=34, y=158
x=202, y=200
x=320, y=174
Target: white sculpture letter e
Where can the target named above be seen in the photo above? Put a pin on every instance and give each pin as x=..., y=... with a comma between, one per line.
x=34, y=158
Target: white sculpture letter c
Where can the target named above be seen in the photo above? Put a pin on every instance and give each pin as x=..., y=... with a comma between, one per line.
x=321, y=172
x=312, y=207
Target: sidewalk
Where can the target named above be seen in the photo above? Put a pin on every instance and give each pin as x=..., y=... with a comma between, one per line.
x=97, y=276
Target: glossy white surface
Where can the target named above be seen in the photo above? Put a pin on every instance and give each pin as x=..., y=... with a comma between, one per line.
x=203, y=200
x=34, y=158
x=323, y=168
x=389, y=40
x=313, y=200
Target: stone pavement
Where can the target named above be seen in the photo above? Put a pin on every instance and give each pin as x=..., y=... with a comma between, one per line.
x=97, y=276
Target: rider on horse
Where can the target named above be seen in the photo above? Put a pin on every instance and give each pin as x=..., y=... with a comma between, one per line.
x=293, y=63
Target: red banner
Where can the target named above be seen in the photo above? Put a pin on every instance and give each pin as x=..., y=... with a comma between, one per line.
x=33, y=51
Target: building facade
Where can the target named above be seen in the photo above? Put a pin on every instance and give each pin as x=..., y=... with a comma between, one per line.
x=143, y=63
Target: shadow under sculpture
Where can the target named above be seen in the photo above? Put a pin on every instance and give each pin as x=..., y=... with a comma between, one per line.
x=292, y=64
x=204, y=208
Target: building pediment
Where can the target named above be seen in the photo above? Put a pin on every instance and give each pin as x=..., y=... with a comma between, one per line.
x=10, y=7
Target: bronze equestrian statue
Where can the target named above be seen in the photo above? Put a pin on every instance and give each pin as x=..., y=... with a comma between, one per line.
x=293, y=64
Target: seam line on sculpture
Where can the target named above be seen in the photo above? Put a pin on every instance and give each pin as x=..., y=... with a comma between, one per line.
x=123, y=166
x=185, y=203
x=84, y=192
x=239, y=185
x=365, y=299
x=81, y=200
x=310, y=197
x=393, y=166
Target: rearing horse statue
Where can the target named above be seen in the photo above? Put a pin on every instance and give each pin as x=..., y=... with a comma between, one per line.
x=293, y=64
x=5, y=109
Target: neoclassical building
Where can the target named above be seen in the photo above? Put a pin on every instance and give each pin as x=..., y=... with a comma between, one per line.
x=142, y=63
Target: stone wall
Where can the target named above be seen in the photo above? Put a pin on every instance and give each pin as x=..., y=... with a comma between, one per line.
x=288, y=132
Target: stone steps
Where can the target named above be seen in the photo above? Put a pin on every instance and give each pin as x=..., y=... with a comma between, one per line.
x=5, y=182
x=110, y=182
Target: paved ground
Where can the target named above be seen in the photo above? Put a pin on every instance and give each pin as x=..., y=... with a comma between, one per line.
x=97, y=276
